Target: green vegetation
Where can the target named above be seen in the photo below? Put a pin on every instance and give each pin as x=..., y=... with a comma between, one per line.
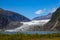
x=30, y=36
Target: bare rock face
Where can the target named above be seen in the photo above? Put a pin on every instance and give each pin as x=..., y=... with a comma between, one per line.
x=54, y=23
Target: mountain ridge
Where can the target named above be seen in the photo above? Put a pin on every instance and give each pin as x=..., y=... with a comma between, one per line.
x=48, y=16
x=11, y=19
x=54, y=23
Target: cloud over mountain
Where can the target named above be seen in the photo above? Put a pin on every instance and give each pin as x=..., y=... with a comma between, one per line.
x=39, y=12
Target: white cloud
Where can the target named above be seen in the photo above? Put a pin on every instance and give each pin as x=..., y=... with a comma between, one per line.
x=53, y=10
x=39, y=11
x=45, y=11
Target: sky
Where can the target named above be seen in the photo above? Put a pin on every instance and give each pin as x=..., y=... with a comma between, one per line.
x=30, y=8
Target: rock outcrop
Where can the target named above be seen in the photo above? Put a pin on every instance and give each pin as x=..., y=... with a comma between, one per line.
x=54, y=23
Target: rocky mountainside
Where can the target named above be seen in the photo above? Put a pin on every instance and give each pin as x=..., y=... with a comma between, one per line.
x=43, y=17
x=9, y=19
x=54, y=23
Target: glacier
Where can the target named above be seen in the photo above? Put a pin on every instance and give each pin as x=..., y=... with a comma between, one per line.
x=27, y=25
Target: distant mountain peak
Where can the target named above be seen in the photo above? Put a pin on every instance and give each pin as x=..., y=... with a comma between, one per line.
x=48, y=16
x=1, y=9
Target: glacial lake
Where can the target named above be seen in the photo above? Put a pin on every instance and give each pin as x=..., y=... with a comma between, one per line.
x=32, y=32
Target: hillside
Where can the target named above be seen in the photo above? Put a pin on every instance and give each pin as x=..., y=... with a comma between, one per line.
x=9, y=19
x=54, y=23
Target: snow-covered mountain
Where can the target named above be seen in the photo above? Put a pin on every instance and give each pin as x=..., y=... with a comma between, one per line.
x=29, y=26
x=48, y=16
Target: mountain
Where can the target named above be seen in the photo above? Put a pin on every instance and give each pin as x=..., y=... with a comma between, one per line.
x=13, y=16
x=43, y=17
x=54, y=23
x=9, y=19
x=46, y=25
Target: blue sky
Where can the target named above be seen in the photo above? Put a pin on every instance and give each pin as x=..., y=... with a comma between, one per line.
x=30, y=8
